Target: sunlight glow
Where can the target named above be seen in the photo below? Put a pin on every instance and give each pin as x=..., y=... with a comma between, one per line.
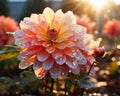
x=117, y=2
x=99, y=3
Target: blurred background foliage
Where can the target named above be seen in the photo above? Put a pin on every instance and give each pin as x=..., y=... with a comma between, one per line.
x=4, y=9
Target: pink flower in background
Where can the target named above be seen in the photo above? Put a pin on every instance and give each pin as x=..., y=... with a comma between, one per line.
x=112, y=28
x=7, y=24
x=85, y=21
x=54, y=43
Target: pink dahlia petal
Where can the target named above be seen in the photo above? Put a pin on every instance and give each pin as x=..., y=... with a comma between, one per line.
x=42, y=21
x=69, y=51
x=29, y=52
x=55, y=71
x=72, y=63
x=60, y=45
x=34, y=17
x=40, y=73
x=64, y=71
x=49, y=15
x=75, y=71
x=48, y=63
x=57, y=54
x=79, y=56
x=61, y=60
x=90, y=59
x=37, y=65
x=50, y=49
x=26, y=63
x=42, y=56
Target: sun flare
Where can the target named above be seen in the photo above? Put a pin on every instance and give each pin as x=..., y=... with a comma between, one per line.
x=98, y=4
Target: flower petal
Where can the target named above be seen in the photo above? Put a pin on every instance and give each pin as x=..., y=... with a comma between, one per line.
x=64, y=70
x=57, y=54
x=48, y=63
x=72, y=63
x=60, y=45
x=40, y=73
x=26, y=63
x=28, y=52
x=81, y=59
x=76, y=71
x=34, y=17
x=49, y=14
x=50, y=49
x=89, y=58
x=55, y=71
x=61, y=60
x=42, y=56
x=36, y=65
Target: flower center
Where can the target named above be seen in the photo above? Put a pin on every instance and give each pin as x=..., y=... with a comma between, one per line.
x=52, y=34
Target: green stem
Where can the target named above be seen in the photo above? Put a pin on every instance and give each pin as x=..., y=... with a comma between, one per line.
x=83, y=89
x=65, y=88
x=52, y=84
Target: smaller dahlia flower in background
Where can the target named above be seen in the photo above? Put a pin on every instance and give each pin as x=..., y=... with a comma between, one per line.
x=7, y=24
x=85, y=21
x=53, y=42
x=112, y=28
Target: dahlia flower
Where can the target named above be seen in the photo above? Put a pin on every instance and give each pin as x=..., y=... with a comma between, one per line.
x=7, y=24
x=53, y=42
x=112, y=28
x=85, y=21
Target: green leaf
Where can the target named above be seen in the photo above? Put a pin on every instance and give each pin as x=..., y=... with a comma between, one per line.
x=26, y=74
x=29, y=81
x=8, y=52
x=5, y=83
x=84, y=81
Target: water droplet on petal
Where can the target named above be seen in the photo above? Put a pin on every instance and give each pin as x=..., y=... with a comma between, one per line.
x=42, y=56
x=40, y=73
x=37, y=65
x=81, y=59
x=61, y=60
x=71, y=62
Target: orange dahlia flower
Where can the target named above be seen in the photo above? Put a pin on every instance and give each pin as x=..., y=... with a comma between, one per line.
x=7, y=24
x=85, y=21
x=112, y=28
x=54, y=43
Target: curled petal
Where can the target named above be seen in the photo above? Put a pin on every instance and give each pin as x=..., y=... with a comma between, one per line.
x=40, y=73
x=48, y=63
x=26, y=63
